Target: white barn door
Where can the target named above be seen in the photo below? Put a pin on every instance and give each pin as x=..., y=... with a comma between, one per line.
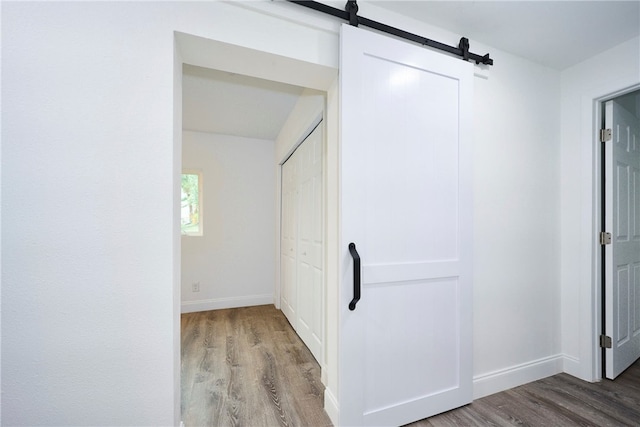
x=406, y=201
x=622, y=257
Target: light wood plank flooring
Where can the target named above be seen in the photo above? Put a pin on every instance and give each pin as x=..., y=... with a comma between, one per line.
x=247, y=367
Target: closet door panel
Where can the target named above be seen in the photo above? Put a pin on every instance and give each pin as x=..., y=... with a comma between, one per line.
x=302, y=242
x=288, y=241
x=310, y=244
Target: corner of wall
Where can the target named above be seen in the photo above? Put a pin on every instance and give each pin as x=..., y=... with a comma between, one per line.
x=571, y=365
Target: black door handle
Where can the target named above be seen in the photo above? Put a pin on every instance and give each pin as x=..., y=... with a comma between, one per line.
x=356, y=276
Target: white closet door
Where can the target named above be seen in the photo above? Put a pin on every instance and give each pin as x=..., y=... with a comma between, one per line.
x=302, y=242
x=309, y=262
x=288, y=239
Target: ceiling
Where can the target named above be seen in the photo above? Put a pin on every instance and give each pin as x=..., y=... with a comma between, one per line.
x=557, y=34
x=232, y=104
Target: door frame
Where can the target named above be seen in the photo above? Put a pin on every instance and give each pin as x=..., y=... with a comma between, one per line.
x=591, y=264
x=602, y=211
x=218, y=55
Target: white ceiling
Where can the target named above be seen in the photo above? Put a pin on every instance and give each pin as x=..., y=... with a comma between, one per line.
x=557, y=34
x=231, y=104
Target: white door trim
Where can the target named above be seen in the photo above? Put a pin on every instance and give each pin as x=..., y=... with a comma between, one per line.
x=590, y=302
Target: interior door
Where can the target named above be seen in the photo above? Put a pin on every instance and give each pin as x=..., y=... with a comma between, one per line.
x=622, y=256
x=406, y=202
x=301, y=243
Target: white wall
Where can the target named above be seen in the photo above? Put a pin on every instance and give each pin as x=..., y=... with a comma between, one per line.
x=88, y=303
x=89, y=225
x=89, y=307
x=516, y=223
x=308, y=108
x=595, y=79
x=234, y=260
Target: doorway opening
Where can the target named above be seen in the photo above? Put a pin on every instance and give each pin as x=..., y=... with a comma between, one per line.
x=232, y=125
x=620, y=233
x=257, y=149
x=236, y=60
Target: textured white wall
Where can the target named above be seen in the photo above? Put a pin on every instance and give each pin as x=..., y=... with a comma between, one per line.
x=88, y=308
x=234, y=260
x=601, y=76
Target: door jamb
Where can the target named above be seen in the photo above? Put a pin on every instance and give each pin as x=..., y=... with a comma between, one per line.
x=596, y=103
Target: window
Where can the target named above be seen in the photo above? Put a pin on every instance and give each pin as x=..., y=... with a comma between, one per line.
x=191, y=204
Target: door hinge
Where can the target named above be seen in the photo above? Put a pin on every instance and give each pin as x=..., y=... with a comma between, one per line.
x=605, y=238
x=605, y=341
x=605, y=135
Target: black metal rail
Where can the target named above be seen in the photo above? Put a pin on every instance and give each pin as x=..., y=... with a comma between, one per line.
x=351, y=14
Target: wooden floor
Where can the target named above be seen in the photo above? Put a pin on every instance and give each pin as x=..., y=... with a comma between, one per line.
x=247, y=367
x=560, y=400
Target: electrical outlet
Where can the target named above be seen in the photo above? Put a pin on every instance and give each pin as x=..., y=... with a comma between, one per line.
x=195, y=287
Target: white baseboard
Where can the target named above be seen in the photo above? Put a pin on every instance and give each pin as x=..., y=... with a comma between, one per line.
x=220, y=303
x=323, y=375
x=571, y=365
x=576, y=368
x=331, y=406
x=504, y=379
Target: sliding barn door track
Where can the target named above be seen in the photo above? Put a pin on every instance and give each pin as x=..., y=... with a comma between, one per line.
x=350, y=14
